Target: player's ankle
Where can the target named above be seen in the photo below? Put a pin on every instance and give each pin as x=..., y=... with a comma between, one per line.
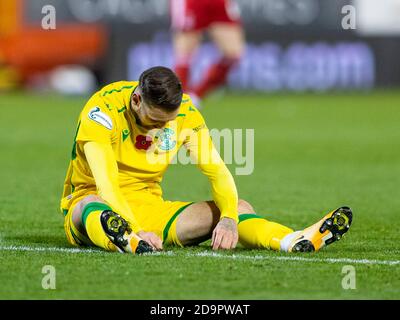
x=287, y=240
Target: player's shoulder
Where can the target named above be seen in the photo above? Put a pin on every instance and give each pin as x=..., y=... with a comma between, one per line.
x=112, y=98
x=118, y=87
x=187, y=106
x=190, y=114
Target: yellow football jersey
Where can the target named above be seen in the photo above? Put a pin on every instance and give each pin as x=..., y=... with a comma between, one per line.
x=142, y=156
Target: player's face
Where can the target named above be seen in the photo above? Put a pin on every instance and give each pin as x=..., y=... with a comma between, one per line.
x=151, y=117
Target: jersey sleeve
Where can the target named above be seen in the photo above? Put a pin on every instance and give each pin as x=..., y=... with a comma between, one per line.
x=194, y=121
x=105, y=172
x=203, y=152
x=96, y=122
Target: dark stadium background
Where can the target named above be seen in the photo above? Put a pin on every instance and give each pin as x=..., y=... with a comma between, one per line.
x=292, y=44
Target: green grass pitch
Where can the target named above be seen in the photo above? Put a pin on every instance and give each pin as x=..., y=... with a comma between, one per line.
x=313, y=153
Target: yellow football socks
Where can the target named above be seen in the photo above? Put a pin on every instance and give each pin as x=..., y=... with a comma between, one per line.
x=91, y=220
x=257, y=232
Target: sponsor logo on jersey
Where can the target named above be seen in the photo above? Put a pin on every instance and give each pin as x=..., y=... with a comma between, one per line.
x=100, y=117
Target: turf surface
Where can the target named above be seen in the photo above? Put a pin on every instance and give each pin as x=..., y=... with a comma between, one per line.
x=313, y=153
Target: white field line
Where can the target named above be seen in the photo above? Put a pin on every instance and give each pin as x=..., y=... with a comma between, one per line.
x=48, y=249
x=214, y=255
x=297, y=258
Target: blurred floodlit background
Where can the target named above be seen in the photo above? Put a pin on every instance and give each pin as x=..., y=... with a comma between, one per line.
x=305, y=125
x=292, y=45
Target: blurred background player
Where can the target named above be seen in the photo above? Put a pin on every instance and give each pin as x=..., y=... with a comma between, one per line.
x=190, y=19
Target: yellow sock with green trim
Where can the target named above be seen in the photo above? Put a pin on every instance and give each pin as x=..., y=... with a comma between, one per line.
x=91, y=220
x=256, y=232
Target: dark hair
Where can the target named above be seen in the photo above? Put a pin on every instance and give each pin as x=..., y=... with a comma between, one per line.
x=161, y=88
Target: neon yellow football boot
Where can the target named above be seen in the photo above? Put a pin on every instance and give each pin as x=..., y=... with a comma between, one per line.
x=329, y=229
x=119, y=232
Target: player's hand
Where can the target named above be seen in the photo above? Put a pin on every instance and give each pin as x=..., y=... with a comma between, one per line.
x=152, y=239
x=225, y=234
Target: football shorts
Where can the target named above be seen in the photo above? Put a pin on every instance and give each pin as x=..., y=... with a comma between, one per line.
x=194, y=15
x=153, y=213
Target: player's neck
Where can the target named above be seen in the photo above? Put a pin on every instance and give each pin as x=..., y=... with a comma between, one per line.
x=136, y=117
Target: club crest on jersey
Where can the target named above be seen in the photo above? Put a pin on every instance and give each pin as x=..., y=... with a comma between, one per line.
x=166, y=139
x=100, y=117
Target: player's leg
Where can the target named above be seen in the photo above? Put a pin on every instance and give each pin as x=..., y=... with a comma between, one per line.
x=329, y=229
x=99, y=225
x=185, y=45
x=186, y=24
x=257, y=232
x=196, y=223
x=227, y=33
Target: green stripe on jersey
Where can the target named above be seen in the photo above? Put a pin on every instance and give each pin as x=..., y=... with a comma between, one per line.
x=122, y=109
x=117, y=90
x=73, y=155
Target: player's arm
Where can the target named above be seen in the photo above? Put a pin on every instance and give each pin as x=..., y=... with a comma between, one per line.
x=104, y=168
x=103, y=165
x=223, y=187
x=96, y=133
x=209, y=162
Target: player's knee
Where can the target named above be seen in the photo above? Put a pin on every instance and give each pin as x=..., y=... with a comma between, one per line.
x=196, y=223
x=244, y=207
x=89, y=199
x=77, y=213
x=233, y=54
x=231, y=59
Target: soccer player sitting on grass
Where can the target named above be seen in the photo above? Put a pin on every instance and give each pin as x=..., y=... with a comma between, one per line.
x=112, y=196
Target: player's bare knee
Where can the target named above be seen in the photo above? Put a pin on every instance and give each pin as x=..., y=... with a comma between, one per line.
x=196, y=223
x=244, y=207
x=85, y=201
x=233, y=55
x=77, y=213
